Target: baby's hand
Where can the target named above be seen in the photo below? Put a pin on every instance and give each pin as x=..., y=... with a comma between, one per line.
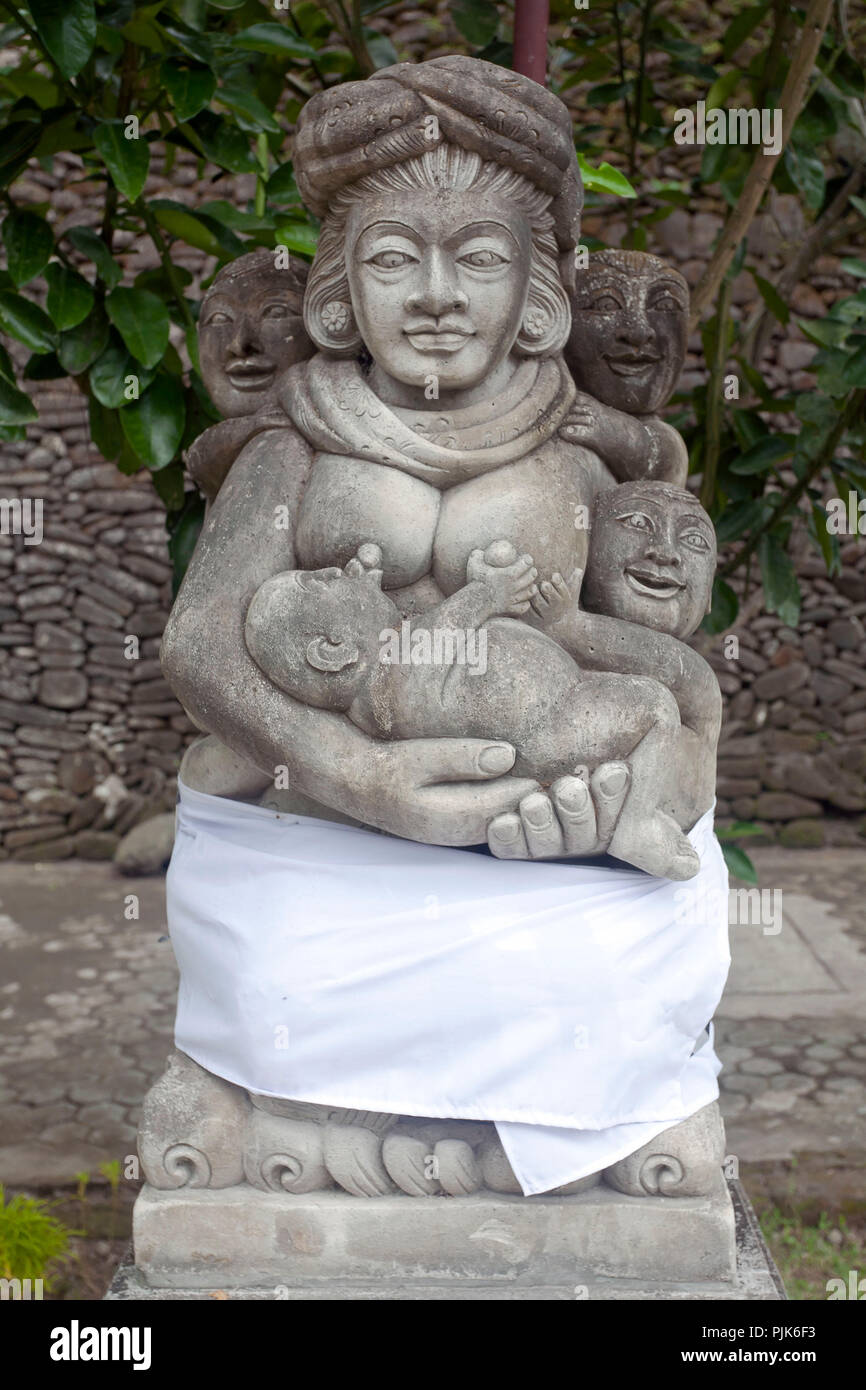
x=555, y=598
x=593, y=424
x=510, y=578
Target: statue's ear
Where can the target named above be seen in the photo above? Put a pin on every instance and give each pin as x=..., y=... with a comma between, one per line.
x=323, y=655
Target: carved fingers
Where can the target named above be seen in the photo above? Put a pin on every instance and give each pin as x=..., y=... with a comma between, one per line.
x=576, y=819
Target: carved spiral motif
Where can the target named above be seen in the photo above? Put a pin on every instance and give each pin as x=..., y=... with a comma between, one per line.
x=188, y=1165
x=661, y=1174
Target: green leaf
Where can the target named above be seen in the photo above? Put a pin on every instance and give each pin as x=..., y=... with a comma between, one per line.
x=771, y=297
x=70, y=298
x=853, y=267
x=24, y=320
x=825, y=332
x=604, y=179
x=764, y=455
x=827, y=544
x=190, y=86
x=154, y=424
x=722, y=88
x=184, y=533
x=297, y=236
x=43, y=366
x=20, y=139
x=169, y=484
x=273, y=38
x=108, y=376
x=142, y=322
x=477, y=20
x=68, y=30
x=203, y=232
x=854, y=371
x=127, y=160
x=244, y=103
x=725, y=606
x=807, y=174
x=221, y=142
x=33, y=85
x=739, y=864
x=781, y=590
x=7, y=367
x=282, y=187
x=816, y=122
x=105, y=429
x=29, y=243
x=740, y=27
x=16, y=407
x=736, y=520
x=82, y=345
x=94, y=248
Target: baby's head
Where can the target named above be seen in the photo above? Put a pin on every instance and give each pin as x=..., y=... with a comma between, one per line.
x=652, y=557
x=629, y=330
x=251, y=330
x=316, y=632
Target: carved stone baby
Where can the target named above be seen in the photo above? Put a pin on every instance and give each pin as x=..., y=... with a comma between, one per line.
x=626, y=350
x=251, y=330
x=319, y=636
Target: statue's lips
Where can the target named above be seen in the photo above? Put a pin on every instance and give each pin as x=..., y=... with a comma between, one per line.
x=654, y=585
x=433, y=339
x=250, y=376
x=632, y=366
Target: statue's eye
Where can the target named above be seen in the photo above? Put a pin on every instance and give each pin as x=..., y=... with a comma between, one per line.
x=667, y=303
x=217, y=317
x=390, y=260
x=637, y=521
x=483, y=259
x=606, y=303
x=695, y=540
x=275, y=311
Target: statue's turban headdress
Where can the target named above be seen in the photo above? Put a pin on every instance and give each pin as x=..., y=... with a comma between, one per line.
x=358, y=128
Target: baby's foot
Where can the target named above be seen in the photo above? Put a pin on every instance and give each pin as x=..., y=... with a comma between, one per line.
x=657, y=846
x=555, y=598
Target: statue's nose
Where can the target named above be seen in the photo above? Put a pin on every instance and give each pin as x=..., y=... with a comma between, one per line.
x=245, y=338
x=438, y=290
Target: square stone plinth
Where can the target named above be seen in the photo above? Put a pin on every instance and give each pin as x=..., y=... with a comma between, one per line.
x=489, y=1246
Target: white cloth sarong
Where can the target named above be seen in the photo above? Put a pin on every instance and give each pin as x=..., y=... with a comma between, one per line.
x=561, y=1000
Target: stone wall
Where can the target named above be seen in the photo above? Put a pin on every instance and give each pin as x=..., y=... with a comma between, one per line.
x=90, y=739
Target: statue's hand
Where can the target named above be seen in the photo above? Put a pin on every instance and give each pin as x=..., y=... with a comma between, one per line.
x=577, y=817
x=596, y=426
x=444, y=791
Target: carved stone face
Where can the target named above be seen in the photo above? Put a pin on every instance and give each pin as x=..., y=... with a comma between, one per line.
x=651, y=560
x=628, y=337
x=250, y=333
x=439, y=283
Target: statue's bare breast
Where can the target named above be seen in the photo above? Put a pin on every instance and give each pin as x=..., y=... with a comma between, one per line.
x=541, y=504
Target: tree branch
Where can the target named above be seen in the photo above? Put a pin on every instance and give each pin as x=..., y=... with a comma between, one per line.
x=763, y=165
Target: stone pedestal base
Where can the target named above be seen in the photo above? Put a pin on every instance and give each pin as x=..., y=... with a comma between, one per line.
x=600, y=1244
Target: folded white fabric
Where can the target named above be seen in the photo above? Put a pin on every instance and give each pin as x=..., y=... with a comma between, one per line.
x=560, y=1000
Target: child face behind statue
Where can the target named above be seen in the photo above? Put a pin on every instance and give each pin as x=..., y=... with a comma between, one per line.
x=251, y=331
x=652, y=558
x=629, y=331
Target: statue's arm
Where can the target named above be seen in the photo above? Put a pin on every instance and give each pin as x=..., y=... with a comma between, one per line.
x=444, y=791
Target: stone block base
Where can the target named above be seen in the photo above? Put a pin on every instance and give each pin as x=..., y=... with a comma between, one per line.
x=599, y=1244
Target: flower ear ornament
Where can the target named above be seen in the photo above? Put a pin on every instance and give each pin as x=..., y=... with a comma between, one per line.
x=335, y=317
x=535, y=325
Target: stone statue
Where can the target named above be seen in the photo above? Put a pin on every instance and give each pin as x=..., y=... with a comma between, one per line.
x=251, y=330
x=433, y=475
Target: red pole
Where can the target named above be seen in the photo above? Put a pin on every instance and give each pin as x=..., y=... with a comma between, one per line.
x=531, y=18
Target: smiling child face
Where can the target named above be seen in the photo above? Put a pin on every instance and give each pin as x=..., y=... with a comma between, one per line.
x=652, y=558
x=629, y=331
x=251, y=331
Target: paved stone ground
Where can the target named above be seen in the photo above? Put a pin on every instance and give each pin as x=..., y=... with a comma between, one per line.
x=87, y=1001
